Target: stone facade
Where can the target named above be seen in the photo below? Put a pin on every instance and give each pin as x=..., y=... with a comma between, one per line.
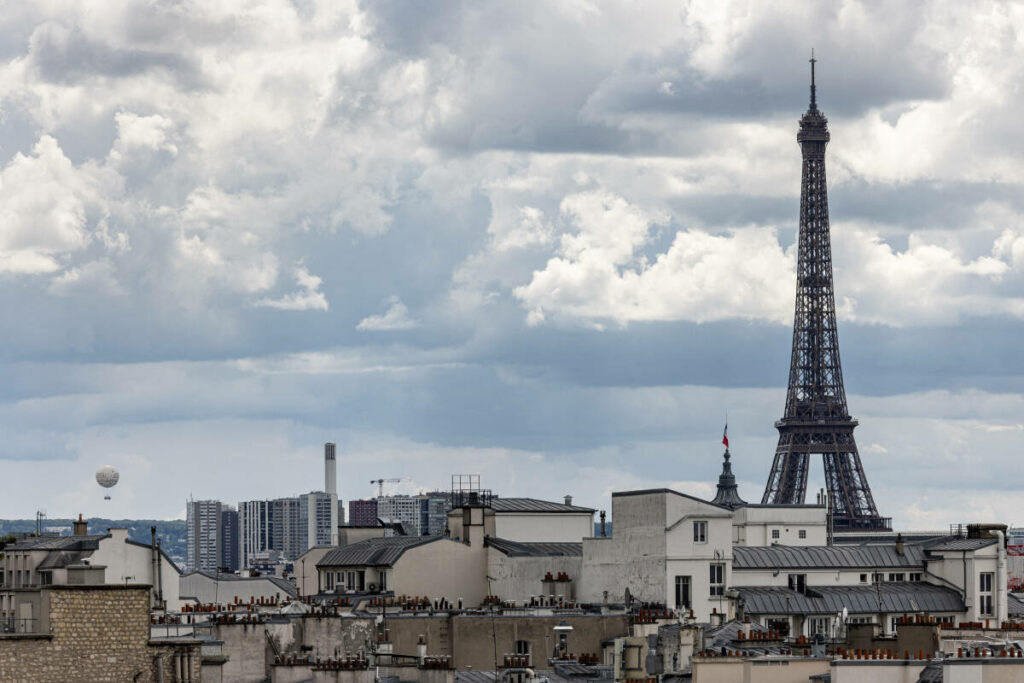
x=95, y=634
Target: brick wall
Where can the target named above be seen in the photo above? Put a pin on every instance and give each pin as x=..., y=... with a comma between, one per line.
x=97, y=634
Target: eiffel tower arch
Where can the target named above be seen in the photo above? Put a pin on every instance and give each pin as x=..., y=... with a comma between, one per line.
x=816, y=420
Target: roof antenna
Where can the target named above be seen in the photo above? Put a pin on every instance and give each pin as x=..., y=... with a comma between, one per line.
x=814, y=101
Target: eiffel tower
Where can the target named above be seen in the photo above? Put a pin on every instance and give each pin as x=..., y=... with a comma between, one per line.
x=816, y=420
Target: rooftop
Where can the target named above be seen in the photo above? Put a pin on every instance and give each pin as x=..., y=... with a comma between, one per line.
x=520, y=549
x=375, y=552
x=533, y=505
x=90, y=542
x=827, y=557
x=958, y=544
x=893, y=597
x=284, y=584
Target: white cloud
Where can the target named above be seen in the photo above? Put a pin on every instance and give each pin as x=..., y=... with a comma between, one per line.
x=308, y=298
x=142, y=132
x=935, y=283
x=395, y=318
x=600, y=274
x=44, y=209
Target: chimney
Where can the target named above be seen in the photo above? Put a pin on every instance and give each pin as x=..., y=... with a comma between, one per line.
x=603, y=532
x=330, y=469
x=568, y=500
x=81, y=526
x=899, y=544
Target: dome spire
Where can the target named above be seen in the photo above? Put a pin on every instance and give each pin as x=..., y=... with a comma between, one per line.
x=728, y=493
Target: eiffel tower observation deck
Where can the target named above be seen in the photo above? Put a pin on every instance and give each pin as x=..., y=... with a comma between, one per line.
x=816, y=419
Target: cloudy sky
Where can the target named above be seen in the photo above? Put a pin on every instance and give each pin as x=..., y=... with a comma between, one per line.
x=551, y=243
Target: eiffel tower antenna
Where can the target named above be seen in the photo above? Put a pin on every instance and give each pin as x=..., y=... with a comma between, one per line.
x=816, y=420
x=814, y=99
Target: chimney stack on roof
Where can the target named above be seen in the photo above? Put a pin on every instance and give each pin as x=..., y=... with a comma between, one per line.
x=568, y=499
x=81, y=526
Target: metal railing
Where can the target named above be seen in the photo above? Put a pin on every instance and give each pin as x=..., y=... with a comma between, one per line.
x=18, y=625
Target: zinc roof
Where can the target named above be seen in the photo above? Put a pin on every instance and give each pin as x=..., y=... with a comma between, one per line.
x=533, y=505
x=960, y=544
x=520, y=549
x=90, y=542
x=62, y=558
x=826, y=557
x=728, y=632
x=375, y=552
x=284, y=584
x=869, y=599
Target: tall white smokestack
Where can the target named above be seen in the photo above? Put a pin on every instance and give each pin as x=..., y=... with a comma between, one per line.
x=331, y=487
x=330, y=470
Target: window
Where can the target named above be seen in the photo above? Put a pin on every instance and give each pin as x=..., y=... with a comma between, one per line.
x=775, y=534
x=683, y=592
x=915, y=576
x=798, y=582
x=523, y=648
x=778, y=624
x=897, y=576
x=383, y=576
x=986, y=581
x=700, y=531
x=863, y=578
x=822, y=625
x=802, y=533
x=861, y=620
x=717, y=579
x=877, y=577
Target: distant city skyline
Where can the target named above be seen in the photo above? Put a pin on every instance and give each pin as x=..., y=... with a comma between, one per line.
x=549, y=243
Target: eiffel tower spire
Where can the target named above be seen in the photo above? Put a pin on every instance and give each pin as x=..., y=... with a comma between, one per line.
x=816, y=419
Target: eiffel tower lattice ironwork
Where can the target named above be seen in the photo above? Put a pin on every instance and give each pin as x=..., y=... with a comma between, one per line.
x=816, y=419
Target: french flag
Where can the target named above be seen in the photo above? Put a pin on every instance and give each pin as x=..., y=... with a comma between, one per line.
x=725, y=435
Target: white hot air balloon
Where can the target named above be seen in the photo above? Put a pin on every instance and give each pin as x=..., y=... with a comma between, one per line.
x=106, y=477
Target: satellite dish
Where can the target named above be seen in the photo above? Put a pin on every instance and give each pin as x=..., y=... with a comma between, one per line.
x=106, y=477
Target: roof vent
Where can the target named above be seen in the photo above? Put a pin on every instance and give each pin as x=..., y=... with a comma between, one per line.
x=568, y=500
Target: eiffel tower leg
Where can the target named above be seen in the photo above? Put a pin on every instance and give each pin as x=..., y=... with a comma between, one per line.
x=787, y=482
x=853, y=504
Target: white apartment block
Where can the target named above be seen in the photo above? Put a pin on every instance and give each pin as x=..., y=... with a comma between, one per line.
x=203, y=534
x=405, y=510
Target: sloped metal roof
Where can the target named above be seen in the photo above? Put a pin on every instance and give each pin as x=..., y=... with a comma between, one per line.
x=931, y=673
x=1014, y=605
x=533, y=505
x=375, y=552
x=826, y=557
x=57, y=559
x=284, y=584
x=869, y=599
x=726, y=633
x=960, y=544
x=90, y=542
x=520, y=549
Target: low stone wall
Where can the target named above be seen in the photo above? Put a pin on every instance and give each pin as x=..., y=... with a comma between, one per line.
x=97, y=634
